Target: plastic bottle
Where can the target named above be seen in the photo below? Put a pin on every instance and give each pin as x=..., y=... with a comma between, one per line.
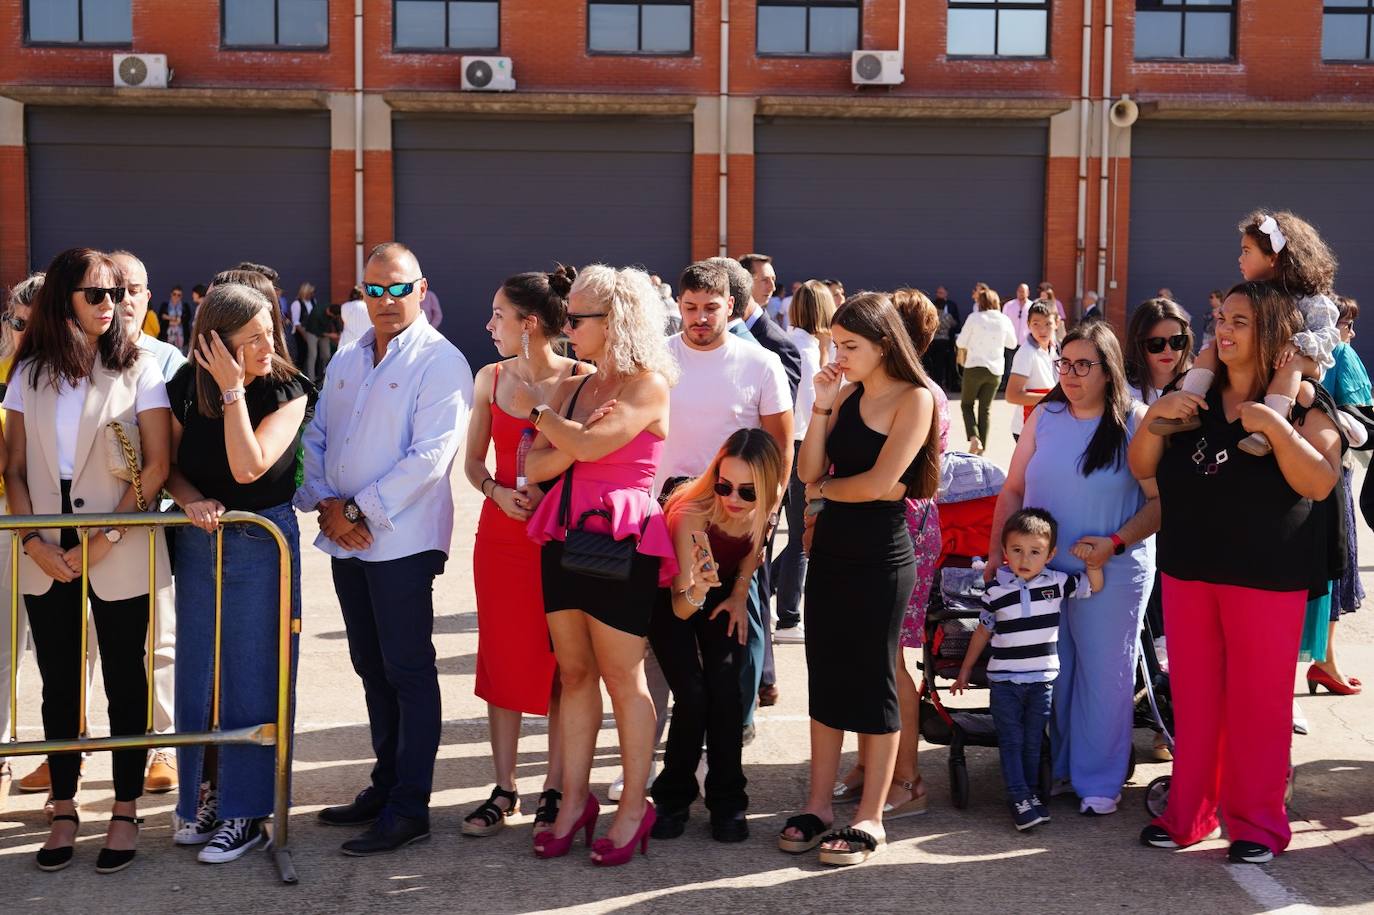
x=522, y=450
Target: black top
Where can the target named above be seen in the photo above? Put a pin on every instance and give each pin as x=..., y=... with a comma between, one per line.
x=853, y=447
x=1231, y=518
x=203, y=459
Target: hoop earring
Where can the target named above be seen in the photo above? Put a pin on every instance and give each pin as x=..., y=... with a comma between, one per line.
x=525, y=344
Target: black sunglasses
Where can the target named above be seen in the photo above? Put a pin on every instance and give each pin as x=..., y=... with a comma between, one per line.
x=395, y=290
x=1178, y=343
x=96, y=294
x=16, y=322
x=1080, y=367
x=574, y=319
x=746, y=490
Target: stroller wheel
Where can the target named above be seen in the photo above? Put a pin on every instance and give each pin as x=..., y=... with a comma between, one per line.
x=1157, y=795
x=958, y=782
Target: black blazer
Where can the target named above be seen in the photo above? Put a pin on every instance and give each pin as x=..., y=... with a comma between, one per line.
x=774, y=339
x=188, y=320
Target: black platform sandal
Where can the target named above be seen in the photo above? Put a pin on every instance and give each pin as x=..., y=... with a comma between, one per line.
x=490, y=819
x=55, y=859
x=113, y=860
x=547, y=812
x=859, y=847
x=812, y=829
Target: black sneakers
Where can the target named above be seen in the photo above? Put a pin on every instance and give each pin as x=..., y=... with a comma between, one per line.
x=1024, y=815
x=234, y=839
x=1250, y=853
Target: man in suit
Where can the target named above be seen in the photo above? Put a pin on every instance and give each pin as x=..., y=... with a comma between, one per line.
x=939, y=357
x=741, y=287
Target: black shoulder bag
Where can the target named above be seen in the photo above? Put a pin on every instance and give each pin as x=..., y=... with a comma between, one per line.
x=587, y=552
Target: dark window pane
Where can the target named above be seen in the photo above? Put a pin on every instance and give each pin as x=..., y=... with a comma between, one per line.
x=613, y=27
x=107, y=21
x=971, y=32
x=1157, y=34
x=53, y=20
x=834, y=30
x=249, y=22
x=473, y=25
x=303, y=23
x=1021, y=33
x=782, y=30
x=1343, y=37
x=419, y=24
x=667, y=29
x=1207, y=35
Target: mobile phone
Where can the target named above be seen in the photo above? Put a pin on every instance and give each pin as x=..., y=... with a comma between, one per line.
x=703, y=543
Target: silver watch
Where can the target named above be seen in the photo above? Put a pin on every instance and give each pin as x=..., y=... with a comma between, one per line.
x=233, y=395
x=114, y=534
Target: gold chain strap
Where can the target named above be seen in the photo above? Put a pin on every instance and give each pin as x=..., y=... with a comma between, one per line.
x=131, y=460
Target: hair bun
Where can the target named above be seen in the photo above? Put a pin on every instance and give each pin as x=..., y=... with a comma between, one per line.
x=561, y=279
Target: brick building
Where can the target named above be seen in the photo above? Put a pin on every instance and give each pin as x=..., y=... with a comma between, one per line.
x=627, y=126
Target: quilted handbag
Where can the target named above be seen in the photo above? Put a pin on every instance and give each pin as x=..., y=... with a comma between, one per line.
x=588, y=552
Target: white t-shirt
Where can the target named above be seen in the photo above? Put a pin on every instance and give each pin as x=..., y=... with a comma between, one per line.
x=810, y=349
x=986, y=336
x=151, y=394
x=356, y=321
x=721, y=390
x=1037, y=365
x=1138, y=395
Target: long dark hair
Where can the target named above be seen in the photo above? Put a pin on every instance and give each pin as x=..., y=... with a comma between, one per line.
x=54, y=342
x=872, y=315
x=1276, y=321
x=1107, y=448
x=1146, y=315
x=225, y=309
x=544, y=295
x=262, y=282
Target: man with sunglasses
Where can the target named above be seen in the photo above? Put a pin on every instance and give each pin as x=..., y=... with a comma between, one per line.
x=378, y=455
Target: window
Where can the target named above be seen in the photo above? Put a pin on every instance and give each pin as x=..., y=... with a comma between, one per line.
x=1185, y=29
x=276, y=23
x=453, y=25
x=1345, y=30
x=79, y=22
x=635, y=27
x=821, y=27
x=998, y=28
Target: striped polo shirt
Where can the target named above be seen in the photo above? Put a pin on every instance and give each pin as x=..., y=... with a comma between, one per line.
x=1023, y=617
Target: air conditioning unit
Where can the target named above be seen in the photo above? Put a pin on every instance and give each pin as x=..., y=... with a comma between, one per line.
x=876, y=68
x=141, y=71
x=488, y=74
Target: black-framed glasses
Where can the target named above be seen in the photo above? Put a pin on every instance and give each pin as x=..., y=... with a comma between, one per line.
x=575, y=319
x=16, y=323
x=746, y=491
x=395, y=290
x=96, y=294
x=1079, y=367
x=1155, y=345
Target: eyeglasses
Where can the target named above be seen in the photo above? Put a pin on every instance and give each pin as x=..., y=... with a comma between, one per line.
x=1178, y=343
x=1079, y=367
x=395, y=290
x=16, y=323
x=746, y=491
x=574, y=320
x=96, y=294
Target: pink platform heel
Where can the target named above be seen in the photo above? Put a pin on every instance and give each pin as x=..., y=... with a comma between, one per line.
x=614, y=856
x=548, y=845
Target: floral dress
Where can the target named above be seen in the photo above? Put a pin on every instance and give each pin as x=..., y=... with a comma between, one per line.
x=923, y=521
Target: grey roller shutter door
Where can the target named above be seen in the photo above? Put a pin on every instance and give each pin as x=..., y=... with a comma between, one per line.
x=480, y=200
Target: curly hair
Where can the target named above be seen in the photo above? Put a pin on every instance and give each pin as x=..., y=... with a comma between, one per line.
x=919, y=315
x=634, y=325
x=1306, y=265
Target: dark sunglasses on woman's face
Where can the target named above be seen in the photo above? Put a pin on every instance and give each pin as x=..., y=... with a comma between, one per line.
x=746, y=490
x=96, y=294
x=1080, y=367
x=1178, y=343
x=395, y=290
x=574, y=320
x=16, y=323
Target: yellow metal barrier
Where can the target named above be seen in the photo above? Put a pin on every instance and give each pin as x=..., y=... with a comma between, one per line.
x=276, y=733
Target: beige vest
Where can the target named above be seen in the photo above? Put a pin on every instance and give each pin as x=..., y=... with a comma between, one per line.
x=123, y=573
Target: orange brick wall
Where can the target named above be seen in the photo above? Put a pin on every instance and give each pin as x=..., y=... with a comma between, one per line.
x=14, y=216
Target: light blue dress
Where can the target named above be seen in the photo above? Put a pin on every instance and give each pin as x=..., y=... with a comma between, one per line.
x=1090, y=733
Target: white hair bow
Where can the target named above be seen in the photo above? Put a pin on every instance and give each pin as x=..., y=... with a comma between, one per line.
x=1270, y=227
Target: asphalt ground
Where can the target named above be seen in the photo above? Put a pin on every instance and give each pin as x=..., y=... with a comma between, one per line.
x=948, y=861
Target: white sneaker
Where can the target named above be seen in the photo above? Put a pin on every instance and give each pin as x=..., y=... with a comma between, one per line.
x=1299, y=720
x=618, y=786
x=234, y=839
x=203, y=828
x=1099, y=806
x=792, y=635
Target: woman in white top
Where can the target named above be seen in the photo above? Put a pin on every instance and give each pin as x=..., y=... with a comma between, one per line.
x=1158, y=348
x=982, y=346
x=1032, y=368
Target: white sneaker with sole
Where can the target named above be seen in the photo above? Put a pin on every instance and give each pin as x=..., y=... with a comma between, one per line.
x=792, y=635
x=617, y=788
x=234, y=839
x=1099, y=806
x=206, y=823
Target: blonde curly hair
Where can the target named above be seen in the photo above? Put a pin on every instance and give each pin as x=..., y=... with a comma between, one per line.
x=634, y=323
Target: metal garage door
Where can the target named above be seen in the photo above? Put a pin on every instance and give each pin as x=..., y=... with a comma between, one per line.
x=880, y=205
x=1191, y=184
x=191, y=193
x=479, y=200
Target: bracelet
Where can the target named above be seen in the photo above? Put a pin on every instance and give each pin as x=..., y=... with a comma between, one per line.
x=821, y=487
x=687, y=595
x=819, y=412
x=24, y=541
x=485, y=495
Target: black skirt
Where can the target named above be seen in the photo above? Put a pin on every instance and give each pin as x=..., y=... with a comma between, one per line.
x=858, y=583
x=624, y=605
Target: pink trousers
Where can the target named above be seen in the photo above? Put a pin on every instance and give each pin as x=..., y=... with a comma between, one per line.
x=1232, y=653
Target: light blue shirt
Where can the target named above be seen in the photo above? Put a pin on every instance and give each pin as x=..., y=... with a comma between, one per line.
x=168, y=358
x=386, y=436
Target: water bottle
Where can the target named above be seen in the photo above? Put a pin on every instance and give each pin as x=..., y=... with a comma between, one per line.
x=522, y=450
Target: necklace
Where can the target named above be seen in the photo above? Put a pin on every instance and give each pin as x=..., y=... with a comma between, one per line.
x=1205, y=466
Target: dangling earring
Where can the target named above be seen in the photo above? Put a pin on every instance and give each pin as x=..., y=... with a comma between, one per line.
x=525, y=344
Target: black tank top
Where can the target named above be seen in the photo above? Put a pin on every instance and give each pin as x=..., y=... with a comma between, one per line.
x=853, y=447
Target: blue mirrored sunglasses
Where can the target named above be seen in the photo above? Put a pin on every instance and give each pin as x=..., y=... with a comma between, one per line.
x=395, y=290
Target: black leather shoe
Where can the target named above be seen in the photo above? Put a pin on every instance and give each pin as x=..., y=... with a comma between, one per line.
x=732, y=827
x=364, y=810
x=669, y=824
x=389, y=833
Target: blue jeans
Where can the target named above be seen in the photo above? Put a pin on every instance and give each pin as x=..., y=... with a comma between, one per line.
x=1021, y=712
x=248, y=657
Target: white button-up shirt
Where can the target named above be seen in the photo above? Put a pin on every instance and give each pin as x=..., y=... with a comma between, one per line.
x=386, y=436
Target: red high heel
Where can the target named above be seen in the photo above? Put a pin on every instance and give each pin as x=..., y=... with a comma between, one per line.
x=612, y=855
x=1317, y=677
x=548, y=845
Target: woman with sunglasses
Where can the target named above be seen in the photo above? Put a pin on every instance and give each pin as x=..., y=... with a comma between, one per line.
x=1159, y=348
x=76, y=373
x=1071, y=461
x=717, y=520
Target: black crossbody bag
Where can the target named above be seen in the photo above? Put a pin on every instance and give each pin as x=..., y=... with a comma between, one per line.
x=587, y=552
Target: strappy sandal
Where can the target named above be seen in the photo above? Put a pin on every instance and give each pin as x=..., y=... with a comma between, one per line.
x=113, y=860
x=547, y=811
x=490, y=819
x=55, y=859
x=846, y=794
x=914, y=806
x=812, y=829
x=861, y=847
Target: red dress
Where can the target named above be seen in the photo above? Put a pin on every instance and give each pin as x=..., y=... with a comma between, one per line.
x=515, y=664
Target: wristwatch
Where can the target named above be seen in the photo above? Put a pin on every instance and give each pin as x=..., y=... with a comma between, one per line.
x=1118, y=545
x=114, y=534
x=538, y=413
x=352, y=513
x=233, y=395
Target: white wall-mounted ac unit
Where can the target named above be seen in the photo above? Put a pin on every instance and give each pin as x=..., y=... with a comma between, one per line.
x=488, y=74
x=876, y=68
x=141, y=71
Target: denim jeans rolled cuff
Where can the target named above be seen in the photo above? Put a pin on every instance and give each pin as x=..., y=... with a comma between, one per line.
x=250, y=630
x=1021, y=713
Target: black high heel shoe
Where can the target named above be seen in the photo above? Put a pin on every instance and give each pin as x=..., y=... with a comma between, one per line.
x=112, y=860
x=55, y=859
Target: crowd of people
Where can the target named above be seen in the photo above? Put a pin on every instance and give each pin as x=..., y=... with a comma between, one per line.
x=644, y=457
